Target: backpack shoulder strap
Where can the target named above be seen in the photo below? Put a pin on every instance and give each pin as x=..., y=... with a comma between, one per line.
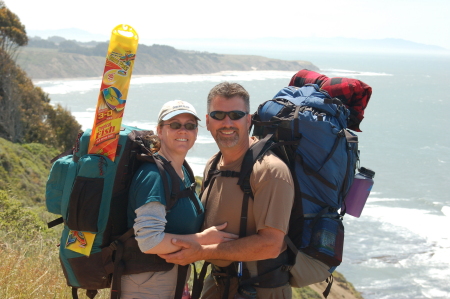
x=163, y=166
x=212, y=172
x=254, y=153
x=189, y=170
x=190, y=191
x=174, y=193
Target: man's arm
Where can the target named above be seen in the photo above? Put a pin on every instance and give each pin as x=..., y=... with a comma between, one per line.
x=266, y=244
x=211, y=235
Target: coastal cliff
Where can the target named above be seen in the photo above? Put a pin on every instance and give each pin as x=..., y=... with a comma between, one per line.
x=73, y=61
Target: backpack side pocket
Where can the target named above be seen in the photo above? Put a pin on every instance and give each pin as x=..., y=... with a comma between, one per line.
x=89, y=201
x=55, y=184
x=327, y=241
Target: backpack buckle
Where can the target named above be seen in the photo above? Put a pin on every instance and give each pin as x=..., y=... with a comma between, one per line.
x=286, y=268
x=229, y=173
x=113, y=245
x=247, y=189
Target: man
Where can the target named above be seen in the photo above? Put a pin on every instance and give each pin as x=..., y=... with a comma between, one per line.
x=229, y=121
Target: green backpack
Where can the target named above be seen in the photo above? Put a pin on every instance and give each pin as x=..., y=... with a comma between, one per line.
x=90, y=192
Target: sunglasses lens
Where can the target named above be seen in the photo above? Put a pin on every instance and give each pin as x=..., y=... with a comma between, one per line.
x=235, y=115
x=175, y=126
x=219, y=115
x=190, y=126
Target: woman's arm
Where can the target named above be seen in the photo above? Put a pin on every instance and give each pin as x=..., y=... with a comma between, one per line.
x=149, y=230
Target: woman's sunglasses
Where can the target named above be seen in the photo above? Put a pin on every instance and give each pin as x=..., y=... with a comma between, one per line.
x=176, y=126
x=233, y=115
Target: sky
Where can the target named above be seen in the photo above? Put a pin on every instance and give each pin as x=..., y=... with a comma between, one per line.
x=425, y=22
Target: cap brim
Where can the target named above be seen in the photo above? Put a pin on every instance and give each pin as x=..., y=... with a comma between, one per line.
x=177, y=112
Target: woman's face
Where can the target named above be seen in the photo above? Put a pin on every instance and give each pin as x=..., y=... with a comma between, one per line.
x=178, y=141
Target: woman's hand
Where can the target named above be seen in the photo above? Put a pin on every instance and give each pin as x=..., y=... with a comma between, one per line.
x=215, y=235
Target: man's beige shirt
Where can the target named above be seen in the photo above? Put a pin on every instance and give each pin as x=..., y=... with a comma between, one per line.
x=273, y=190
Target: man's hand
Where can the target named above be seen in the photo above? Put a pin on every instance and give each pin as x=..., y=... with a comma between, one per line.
x=190, y=252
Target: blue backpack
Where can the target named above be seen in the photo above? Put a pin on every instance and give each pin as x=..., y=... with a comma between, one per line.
x=90, y=192
x=307, y=129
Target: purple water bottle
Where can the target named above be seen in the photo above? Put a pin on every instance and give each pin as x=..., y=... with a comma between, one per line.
x=359, y=192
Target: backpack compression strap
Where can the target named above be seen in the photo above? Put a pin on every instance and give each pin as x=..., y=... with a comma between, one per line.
x=119, y=265
x=350, y=139
x=89, y=293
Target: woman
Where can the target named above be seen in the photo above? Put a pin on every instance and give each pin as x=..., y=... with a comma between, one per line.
x=155, y=227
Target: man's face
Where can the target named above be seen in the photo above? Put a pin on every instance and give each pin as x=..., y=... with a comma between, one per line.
x=228, y=133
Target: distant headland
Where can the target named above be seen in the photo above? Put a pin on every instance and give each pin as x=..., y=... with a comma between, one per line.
x=56, y=57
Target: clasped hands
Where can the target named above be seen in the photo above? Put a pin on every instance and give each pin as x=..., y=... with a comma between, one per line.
x=193, y=250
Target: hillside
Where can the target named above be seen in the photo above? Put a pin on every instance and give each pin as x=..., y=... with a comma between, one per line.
x=45, y=59
x=24, y=169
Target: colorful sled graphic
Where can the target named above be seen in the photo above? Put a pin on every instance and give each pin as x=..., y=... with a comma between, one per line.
x=113, y=91
x=80, y=242
x=113, y=99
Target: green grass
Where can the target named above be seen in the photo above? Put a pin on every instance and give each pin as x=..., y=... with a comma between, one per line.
x=24, y=169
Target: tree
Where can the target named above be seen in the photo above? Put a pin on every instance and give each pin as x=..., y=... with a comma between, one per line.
x=25, y=111
x=11, y=128
x=12, y=31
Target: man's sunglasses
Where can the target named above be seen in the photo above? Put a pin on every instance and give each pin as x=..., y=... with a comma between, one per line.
x=233, y=115
x=176, y=126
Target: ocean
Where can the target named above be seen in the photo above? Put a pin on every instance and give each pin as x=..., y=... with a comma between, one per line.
x=400, y=246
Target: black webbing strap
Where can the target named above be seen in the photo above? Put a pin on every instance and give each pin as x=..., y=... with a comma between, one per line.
x=198, y=282
x=91, y=293
x=55, y=222
x=291, y=245
x=160, y=164
x=212, y=173
x=313, y=200
x=119, y=265
x=296, y=220
x=74, y=293
x=171, y=198
x=226, y=289
x=66, y=153
x=244, y=214
x=174, y=194
x=318, y=216
x=350, y=139
x=329, y=280
x=297, y=123
x=309, y=171
x=190, y=192
x=270, y=123
x=189, y=170
x=340, y=134
x=181, y=280
x=255, y=152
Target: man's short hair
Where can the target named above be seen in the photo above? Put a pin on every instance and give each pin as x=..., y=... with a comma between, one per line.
x=229, y=90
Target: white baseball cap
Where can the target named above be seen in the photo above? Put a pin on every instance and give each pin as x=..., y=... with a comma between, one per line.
x=173, y=108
